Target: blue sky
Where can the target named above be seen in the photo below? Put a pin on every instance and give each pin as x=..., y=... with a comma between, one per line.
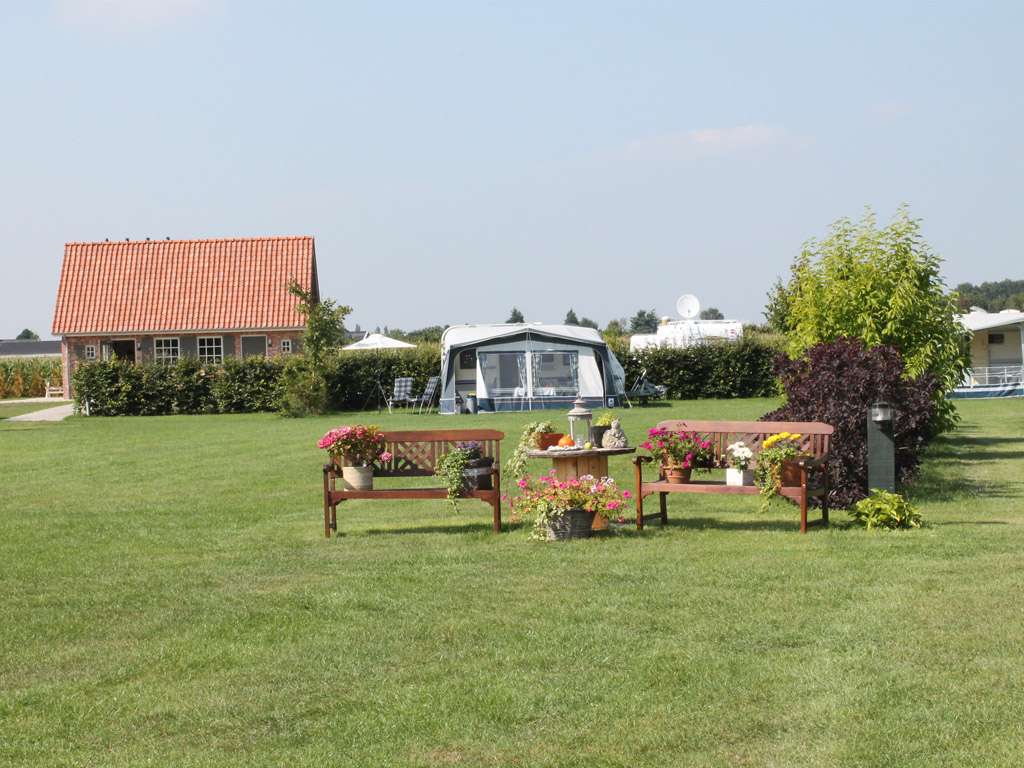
x=454, y=160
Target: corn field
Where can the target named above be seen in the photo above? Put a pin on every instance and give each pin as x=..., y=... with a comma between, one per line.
x=26, y=376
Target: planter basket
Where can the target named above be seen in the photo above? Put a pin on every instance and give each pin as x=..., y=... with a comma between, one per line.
x=573, y=524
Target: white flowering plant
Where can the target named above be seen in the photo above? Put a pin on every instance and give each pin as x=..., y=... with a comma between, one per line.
x=739, y=455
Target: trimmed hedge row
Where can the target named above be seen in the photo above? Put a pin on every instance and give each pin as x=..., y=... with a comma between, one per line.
x=348, y=383
x=714, y=370
x=120, y=388
x=26, y=376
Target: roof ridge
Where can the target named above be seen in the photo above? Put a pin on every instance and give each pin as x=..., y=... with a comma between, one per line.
x=191, y=240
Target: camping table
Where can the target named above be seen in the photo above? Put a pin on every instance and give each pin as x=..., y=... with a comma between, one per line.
x=577, y=463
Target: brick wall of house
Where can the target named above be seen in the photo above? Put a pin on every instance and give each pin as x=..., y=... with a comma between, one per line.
x=76, y=349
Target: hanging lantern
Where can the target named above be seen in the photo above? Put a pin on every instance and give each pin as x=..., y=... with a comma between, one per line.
x=579, y=422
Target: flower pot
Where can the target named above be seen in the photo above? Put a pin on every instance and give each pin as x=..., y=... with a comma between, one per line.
x=477, y=474
x=739, y=476
x=600, y=523
x=571, y=524
x=357, y=478
x=789, y=472
x=597, y=435
x=676, y=474
x=546, y=440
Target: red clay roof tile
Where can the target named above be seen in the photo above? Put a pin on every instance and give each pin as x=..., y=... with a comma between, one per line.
x=183, y=285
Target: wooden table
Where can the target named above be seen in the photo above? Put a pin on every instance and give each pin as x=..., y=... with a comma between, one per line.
x=577, y=463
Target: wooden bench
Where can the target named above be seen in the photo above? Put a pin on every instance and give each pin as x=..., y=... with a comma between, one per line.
x=415, y=453
x=813, y=472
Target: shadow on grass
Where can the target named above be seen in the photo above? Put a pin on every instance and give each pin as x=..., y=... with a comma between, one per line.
x=722, y=524
x=446, y=529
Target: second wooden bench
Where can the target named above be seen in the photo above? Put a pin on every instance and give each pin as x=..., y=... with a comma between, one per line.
x=815, y=438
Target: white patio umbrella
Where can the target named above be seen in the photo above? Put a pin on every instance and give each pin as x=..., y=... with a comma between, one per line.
x=378, y=341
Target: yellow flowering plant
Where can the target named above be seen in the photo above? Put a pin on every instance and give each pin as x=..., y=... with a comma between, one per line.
x=785, y=446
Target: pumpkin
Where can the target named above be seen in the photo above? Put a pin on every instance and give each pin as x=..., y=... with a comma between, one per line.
x=566, y=442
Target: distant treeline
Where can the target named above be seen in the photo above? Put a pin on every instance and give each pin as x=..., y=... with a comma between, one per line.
x=994, y=297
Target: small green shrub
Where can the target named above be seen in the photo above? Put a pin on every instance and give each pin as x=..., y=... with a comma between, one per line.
x=883, y=509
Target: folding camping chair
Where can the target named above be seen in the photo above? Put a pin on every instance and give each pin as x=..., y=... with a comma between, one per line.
x=427, y=398
x=402, y=393
x=643, y=390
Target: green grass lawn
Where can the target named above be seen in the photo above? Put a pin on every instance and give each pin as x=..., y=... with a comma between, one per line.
x=9, y=408
x=169, y=599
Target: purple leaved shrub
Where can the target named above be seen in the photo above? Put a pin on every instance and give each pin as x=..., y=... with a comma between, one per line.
x=836, y=383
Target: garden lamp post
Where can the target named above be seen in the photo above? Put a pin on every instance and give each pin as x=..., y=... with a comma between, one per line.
x=881, y=448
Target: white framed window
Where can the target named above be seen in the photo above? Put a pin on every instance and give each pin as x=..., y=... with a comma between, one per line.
x=90, y=351
x=286, y=346
x=165, y=350
x=211, y=349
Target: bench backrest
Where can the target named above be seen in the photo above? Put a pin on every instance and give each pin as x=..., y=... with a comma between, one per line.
x=415, y=452
x=815, y=436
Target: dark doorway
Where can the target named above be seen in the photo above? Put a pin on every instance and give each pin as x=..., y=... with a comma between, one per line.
x=124, y=349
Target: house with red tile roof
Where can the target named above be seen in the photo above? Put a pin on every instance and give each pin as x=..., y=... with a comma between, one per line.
x=166, y=299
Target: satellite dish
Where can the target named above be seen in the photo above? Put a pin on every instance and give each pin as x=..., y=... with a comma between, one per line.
x=687, y=306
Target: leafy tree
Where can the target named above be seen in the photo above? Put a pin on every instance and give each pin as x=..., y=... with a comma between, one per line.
x=711, y=313
x=516, y=316
x=616, y=327
x=993, y=297
x=570, y=318
x=644, y=321
x=881, y=286
x=776, y=312
x=586, y=322
x=429, y=334
x=26, y=335
x=325, y=323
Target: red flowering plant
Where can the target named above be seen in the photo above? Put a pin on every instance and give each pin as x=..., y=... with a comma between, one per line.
x=673, y=447
x=360, y=445
x=545, y=498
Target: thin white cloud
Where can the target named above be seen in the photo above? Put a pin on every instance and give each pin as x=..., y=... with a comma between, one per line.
x=120, y=16
x=706, y=141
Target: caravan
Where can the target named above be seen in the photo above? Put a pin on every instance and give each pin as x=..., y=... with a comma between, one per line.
x=521, y=367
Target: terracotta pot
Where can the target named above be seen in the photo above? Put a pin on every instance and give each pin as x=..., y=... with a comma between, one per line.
x=546, y=440
x=357, y=478
x=789, y=473
x=601, y=523
x=676, y=474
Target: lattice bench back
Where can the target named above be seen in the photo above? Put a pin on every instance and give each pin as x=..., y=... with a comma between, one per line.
x=815, y=436
x=415, y=453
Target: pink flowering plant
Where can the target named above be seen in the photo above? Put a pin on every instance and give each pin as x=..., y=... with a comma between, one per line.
x=360, y=445
x=679, y=448
x=546, y=498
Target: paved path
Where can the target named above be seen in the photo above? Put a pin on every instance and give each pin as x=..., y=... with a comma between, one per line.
x=59, y=413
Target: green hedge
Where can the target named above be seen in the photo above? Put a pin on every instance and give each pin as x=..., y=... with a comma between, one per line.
x=120, y=388
x=116, y=388
x=714, y=370
x=26, y=376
